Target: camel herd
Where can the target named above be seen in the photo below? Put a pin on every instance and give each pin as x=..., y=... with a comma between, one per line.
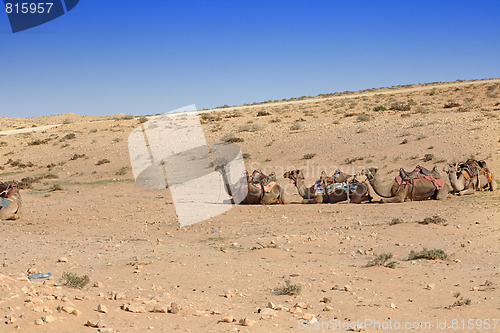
x=258, y=188
x=420, y=184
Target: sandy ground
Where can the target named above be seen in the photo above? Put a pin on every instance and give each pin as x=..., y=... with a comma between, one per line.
x=128, y=239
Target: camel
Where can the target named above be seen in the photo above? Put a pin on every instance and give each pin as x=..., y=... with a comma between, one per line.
x=258, y=191
x=310, y=195
x=464, y=184
x=10, y=202
x=414, y=190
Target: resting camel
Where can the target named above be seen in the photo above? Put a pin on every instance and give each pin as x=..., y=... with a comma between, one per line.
x=10, y=202
x=464, y=183
x=310, y=194
x=416, y=190
x=259, y=191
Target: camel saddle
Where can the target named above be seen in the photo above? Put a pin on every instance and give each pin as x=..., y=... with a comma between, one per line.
x=418, y=173
x=8, y=191
x=327, y=185
x=261, y=180
x=473, y=168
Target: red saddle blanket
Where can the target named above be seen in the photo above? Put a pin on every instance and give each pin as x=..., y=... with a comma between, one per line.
x=439, y=183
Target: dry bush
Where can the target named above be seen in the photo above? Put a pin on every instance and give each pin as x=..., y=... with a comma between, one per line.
x=288, y=289
x=400, y=106
x=231, y=138
x=103, y=161
x=383, y=260
x=433, y=254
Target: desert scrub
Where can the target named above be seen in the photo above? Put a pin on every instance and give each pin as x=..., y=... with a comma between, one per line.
x=436, y=219
x=249, y=128
x=246, y=156
x=74, y=281
x=288, y=289
x=383, y=260
x=308, y=156
x=433, y=254
x=231, y=138
x=363, y=117
x=396, y=220
x=428, y=157
x=380, y=108
x=400, y=106
x=142, y=120
x=122, y=171
x=295, y=127
x=263, y=113
x=77, y=156
x=103, y=161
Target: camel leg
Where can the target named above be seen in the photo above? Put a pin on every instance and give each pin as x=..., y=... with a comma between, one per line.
x=467, y=191
x=493, y=184
x=442, y=193
x=12, y=212
x=399, y=197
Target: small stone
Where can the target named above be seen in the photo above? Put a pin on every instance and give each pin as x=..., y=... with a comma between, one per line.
x=175, y=308
x=475, y=289
x=160, y=308
x=76, y=312
x=393, y=306
x=328, y=308
x=328, y=299
x=215, y=312
x=48, y=319
x=11, y=320
x=227, y=319
x=430, y=286
x=95, y=323
x=270, y=305
x=98, y=284
x=307, y=316
x=39, y=321
x=135, y=308
x=247, y=322
x=296, y=309
x=229, y=293
x=268, y=313
x=102, y=308
x=63, y=259
x=104, y=330
x=347, y=287
x=118, y=296
x=488, y=283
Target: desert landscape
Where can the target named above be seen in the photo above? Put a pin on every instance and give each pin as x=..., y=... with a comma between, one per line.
x=120, y=262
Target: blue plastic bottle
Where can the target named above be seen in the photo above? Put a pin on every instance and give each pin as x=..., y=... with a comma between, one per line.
x=39, y=276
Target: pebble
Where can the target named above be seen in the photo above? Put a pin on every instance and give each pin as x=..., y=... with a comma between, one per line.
x=95, y=323
x=39, y=321
x=430, y=286
x=63, y=259
x=328, y=299
x=247, y=322
x=102, y=308
x=48, y=319
x=347, y=287
x=11, y=320
x=98, y=284
x=132, y=307
x=227, y=319
x=175, y=308
x=393, y=306
x=160, y=308
x=328, y=308
x=229, y=293
x=268, y=313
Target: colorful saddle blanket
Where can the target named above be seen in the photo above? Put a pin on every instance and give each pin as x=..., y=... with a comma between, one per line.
x=321, y=189
x=8, y=193
x=419, y=173
x=473, y=168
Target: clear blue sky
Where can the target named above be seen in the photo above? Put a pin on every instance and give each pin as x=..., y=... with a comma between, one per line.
x=151, y=56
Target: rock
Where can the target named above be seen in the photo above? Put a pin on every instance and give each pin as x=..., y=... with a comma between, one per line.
x=229, y=293
x=118, y=296
x=39, y=321
x=174, y=308
x=296, y=309
x=215, y=312
x=328, y=308
x=227, y=319
x=307, y=316
x=95, y=323
x=268, y=313
x=48, y=319
x=102, y=308
x=76, y=312
x=160, y=308
x=63, y=259
x=247, y=322
x=270, y=305
x=393, y=306
x=11, y=320
x=133, y=307
x=347, y=287
x=98, y=284
x=430, y=286
x=104, y=330
x=328, y=299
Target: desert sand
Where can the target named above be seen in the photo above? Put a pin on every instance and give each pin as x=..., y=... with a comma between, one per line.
x=84, y=215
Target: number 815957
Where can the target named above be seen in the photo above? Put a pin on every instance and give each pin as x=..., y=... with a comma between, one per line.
x=28, y=7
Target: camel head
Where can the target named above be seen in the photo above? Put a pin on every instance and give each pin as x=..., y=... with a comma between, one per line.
x=450, y=167
x=370, y=173
x=293, y=175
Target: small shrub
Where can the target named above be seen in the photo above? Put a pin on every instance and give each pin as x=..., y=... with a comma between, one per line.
x=363, y=117
x=396, y=221
x=117, y=139
x=263, y=113
x=122, y=171
x=93, y=130
x=103, y=161
x=77, y=156
x=56, y=187
x=451, y=104
x=246, y=156
x=39, y=142
x=428, y=157
x=382, y=260
x=142, y=120
x=436, y=219
x=352, y=160
x=275, y=120
x=308, y=156
x=433, y=254
x=74, y=281
x=128, y=117
x=295, y=127
x=67, y=121
x=231, y=138
x=400, y=106
x=380, y=108
x=249, y=128
x=288, y=289
x=68, y=136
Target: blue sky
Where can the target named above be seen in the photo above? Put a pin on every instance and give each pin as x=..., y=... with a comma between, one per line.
x=152, y=56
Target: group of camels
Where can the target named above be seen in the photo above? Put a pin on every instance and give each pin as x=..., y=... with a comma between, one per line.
x=420, y=184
